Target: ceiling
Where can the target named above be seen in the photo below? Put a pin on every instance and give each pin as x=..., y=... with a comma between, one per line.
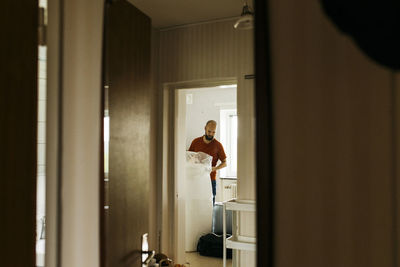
x=167, y=13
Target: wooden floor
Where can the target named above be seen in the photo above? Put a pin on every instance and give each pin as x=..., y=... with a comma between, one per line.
x=196, y=260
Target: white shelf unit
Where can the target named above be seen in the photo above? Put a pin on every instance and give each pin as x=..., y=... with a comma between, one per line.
x=237, y=241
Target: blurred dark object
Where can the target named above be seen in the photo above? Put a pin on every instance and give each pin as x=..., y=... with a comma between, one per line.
x=373, y=25
x=162, y=258
x=212, y=245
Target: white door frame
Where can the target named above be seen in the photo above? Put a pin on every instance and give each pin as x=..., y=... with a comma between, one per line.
x=172, y=214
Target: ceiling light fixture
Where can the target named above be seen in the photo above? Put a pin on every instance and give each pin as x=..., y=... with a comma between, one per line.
x=228, y=86
x=245, y=21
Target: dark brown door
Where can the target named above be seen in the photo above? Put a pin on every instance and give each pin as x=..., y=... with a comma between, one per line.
x=18, y=120
x=127, y=75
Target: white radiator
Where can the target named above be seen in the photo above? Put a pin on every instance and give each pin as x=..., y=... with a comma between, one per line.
x=230, y=191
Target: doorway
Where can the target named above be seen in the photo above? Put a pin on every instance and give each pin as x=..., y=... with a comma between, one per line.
x=179, y=101
x=196, y=106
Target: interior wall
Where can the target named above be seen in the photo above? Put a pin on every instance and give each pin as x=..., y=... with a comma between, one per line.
x=207, y=103
x=216, y=50
x=333, y=144
x=154, y=202
x=52, y=134
x=212, y=51
x=81, y=128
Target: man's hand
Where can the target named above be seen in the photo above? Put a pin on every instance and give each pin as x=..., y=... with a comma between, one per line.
x=220, y=166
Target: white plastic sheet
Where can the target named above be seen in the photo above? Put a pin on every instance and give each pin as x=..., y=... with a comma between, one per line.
x=198, y=168
x=198, y=212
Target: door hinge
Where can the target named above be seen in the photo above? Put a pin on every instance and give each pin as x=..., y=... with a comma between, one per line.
x=42, y=26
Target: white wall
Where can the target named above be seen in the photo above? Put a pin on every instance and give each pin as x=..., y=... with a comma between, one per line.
x=81, y=109
x=207, y=103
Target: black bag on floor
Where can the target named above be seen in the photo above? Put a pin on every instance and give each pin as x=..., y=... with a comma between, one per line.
x=212, y=245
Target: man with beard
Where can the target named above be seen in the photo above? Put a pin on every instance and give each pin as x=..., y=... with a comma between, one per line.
x=209, y=145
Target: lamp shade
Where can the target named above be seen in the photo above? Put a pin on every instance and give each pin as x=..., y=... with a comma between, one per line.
x=245, y=21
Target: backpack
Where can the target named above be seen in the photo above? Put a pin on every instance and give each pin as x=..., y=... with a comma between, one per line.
x=212, y=245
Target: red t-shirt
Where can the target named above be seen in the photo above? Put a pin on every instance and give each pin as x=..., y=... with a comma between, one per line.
x=214, y=149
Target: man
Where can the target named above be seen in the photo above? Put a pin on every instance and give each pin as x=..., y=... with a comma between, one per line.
x=209, y=145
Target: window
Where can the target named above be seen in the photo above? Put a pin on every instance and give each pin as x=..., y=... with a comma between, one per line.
x=228, y=121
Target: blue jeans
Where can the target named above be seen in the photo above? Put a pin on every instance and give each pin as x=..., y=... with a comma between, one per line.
x=214, y=189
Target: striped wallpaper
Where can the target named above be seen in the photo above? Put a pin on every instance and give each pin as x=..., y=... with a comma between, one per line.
x=209, y=51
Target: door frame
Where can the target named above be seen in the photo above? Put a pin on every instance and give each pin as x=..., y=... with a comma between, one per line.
x=172, y=240
x=264, y=139
x=264, y=123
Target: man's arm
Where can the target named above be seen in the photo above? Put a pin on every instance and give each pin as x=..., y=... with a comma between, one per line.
x=191, y=148
x=220, y=166
x=222, y=158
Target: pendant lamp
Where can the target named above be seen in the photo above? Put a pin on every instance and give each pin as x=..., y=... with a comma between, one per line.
x=245, y=21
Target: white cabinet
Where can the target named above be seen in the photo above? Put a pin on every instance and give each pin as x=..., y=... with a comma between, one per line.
x=237, y=241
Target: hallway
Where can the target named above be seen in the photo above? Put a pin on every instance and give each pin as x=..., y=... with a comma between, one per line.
x=196, y=260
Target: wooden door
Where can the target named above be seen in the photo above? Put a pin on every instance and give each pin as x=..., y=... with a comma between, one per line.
x=127, y=75
x=18, y=125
